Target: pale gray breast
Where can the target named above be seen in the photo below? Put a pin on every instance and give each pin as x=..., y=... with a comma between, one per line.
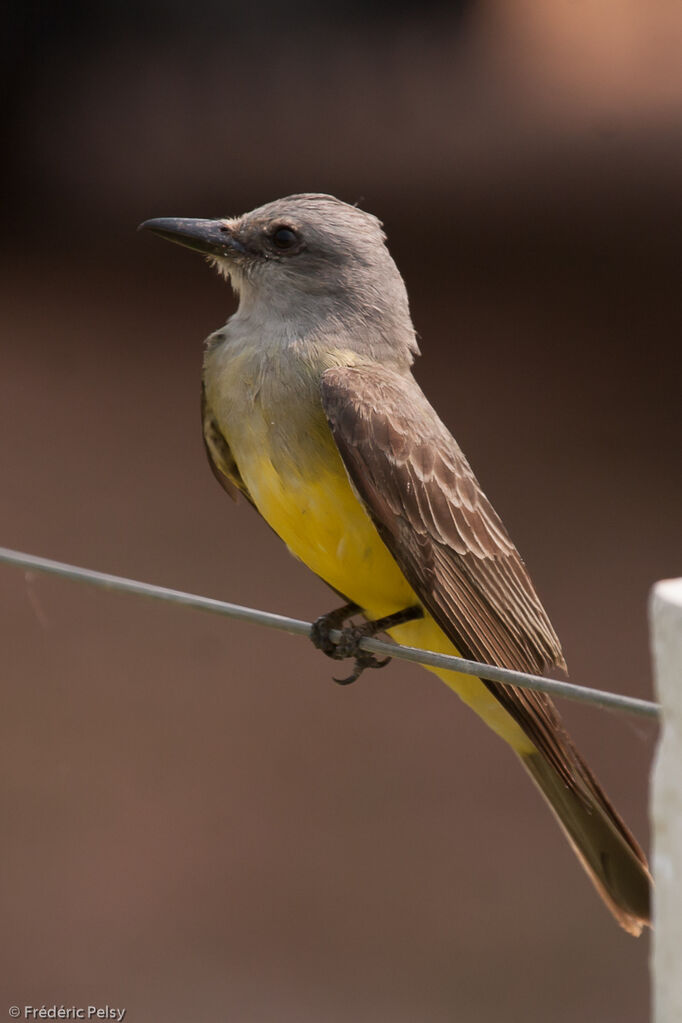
x=266, y=401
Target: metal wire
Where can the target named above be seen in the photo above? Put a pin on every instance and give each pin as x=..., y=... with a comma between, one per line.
x=582, y=694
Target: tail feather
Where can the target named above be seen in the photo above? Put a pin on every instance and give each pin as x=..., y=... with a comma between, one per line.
x=607, y=850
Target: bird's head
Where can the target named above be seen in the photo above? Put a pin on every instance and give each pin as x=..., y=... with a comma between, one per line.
x=309, y=255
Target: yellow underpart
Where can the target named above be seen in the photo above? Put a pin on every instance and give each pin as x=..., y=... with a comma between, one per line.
x=324, y=524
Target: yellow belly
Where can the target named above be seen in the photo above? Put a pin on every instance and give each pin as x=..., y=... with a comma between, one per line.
x=323, y=523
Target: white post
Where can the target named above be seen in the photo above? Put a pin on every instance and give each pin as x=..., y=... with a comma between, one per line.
x=666, y=803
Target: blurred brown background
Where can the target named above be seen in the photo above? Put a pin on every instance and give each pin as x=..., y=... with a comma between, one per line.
x=198, y=823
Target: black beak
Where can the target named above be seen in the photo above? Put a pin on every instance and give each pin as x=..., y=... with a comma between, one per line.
x=212, y=237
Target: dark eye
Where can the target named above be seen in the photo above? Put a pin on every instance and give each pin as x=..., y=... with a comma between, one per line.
x=284, y=237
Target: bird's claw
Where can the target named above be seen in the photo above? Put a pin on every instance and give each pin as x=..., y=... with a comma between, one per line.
x=348, y=645
x=327, y=623
x=349, y=641
x=364, y=659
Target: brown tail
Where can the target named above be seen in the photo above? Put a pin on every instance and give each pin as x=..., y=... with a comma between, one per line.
x=609, y=853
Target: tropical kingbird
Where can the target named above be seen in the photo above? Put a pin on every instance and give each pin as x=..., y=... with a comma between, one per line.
x=310, y=410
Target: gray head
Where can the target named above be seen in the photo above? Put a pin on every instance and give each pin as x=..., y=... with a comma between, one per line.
x=312, y=264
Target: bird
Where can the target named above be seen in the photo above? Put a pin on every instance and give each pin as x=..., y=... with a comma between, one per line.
x=312, y=414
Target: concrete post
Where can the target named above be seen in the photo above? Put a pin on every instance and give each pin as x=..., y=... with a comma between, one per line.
x=666, y=803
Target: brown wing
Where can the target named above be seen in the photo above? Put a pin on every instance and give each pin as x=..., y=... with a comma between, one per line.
x=456, y=554
x=445, y=535
x=436, y=520
x=220, y=456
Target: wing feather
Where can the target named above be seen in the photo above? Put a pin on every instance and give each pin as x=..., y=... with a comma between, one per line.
x=220, y=456
x=425, y=499
x=445, y=535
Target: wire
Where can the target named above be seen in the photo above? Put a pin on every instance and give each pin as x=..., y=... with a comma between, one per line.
x=582, y=694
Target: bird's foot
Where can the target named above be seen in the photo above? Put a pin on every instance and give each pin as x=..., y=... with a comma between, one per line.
x=349, y=643
x=325, y=624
